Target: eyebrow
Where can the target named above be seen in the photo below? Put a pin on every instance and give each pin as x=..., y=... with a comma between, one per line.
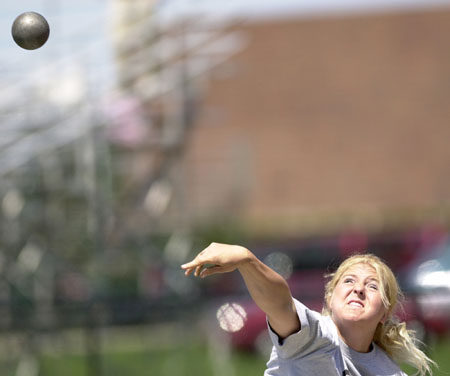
x=370, y=278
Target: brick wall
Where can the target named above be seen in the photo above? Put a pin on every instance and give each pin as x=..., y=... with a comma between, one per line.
x=335, y=115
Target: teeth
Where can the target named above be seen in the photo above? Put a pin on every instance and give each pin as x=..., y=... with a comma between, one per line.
x=356, y=304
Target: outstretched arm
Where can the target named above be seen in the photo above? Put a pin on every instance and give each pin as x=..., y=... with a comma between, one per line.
x=268, y=289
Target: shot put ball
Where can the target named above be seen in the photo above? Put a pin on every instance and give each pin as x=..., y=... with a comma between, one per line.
x=30, y=30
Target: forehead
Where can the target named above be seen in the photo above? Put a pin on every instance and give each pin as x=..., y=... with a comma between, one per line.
x=362, y=271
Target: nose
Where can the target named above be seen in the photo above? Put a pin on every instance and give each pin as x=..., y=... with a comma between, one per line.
x=358, y=290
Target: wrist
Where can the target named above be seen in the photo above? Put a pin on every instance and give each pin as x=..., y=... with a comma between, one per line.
x=248, y=258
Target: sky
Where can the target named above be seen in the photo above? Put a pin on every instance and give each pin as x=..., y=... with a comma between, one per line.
x=77, y=61
x=80, y=42
x=80, y=30
x=258, y=8
x=76, y=57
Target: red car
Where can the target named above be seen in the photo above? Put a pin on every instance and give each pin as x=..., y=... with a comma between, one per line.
x=306, y=286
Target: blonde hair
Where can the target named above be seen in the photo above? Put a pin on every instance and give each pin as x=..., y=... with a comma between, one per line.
x=391, y=335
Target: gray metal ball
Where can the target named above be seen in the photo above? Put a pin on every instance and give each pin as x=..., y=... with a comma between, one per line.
x=30, y=30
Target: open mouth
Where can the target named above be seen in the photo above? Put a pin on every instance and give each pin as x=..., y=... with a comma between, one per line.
x=354, y=303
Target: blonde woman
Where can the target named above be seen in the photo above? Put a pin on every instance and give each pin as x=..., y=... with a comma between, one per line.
x=355, y=334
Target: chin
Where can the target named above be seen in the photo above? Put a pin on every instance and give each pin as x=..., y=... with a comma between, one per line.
x=353, y=319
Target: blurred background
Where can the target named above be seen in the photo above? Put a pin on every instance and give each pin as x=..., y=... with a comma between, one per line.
x=144, y=130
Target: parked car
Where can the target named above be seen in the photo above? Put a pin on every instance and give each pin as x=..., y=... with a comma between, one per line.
x=428, y=282
x=308, y=287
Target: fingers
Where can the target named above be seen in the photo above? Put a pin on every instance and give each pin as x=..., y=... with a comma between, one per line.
x=210, y=270
x=198, y=269
x=191, y=264
x=189, y=267
x=206, y=262
x=188, y=270
x=197, y=263
x=194, y=265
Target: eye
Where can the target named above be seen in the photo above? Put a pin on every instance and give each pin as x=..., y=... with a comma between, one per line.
x=348, y=280
x=373, y=286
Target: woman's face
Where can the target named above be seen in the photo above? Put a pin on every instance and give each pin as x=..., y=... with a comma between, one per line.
x=357, y=298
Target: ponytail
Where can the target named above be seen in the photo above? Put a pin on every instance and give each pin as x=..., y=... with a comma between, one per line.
x=401, y=344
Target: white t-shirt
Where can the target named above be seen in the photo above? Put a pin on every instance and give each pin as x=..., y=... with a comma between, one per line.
x=317, y=350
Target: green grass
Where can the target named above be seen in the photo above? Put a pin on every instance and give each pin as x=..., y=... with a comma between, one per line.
x=182, y=361
x=440, y=353
x=192, y=360
x=188, y=358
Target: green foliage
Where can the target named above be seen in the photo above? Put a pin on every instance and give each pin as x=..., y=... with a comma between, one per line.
x=222, y=232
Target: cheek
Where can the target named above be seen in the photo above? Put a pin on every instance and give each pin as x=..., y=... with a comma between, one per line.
x=378, y=302
x=336, y=297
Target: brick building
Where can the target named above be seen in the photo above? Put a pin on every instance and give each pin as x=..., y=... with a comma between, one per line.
x=322, y=123
x=327, y=120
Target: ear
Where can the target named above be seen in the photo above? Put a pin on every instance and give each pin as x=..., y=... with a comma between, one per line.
x=384, y=318
x=329, y=303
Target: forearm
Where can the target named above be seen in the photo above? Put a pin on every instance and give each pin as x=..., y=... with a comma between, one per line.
x=271, y=293
x=268, y=289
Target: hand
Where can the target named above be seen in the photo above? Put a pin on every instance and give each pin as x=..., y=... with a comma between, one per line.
x=217, y=258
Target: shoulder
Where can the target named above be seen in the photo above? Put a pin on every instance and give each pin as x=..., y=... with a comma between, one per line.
x=317, y=332
x=386, y=362
x=314, y=321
